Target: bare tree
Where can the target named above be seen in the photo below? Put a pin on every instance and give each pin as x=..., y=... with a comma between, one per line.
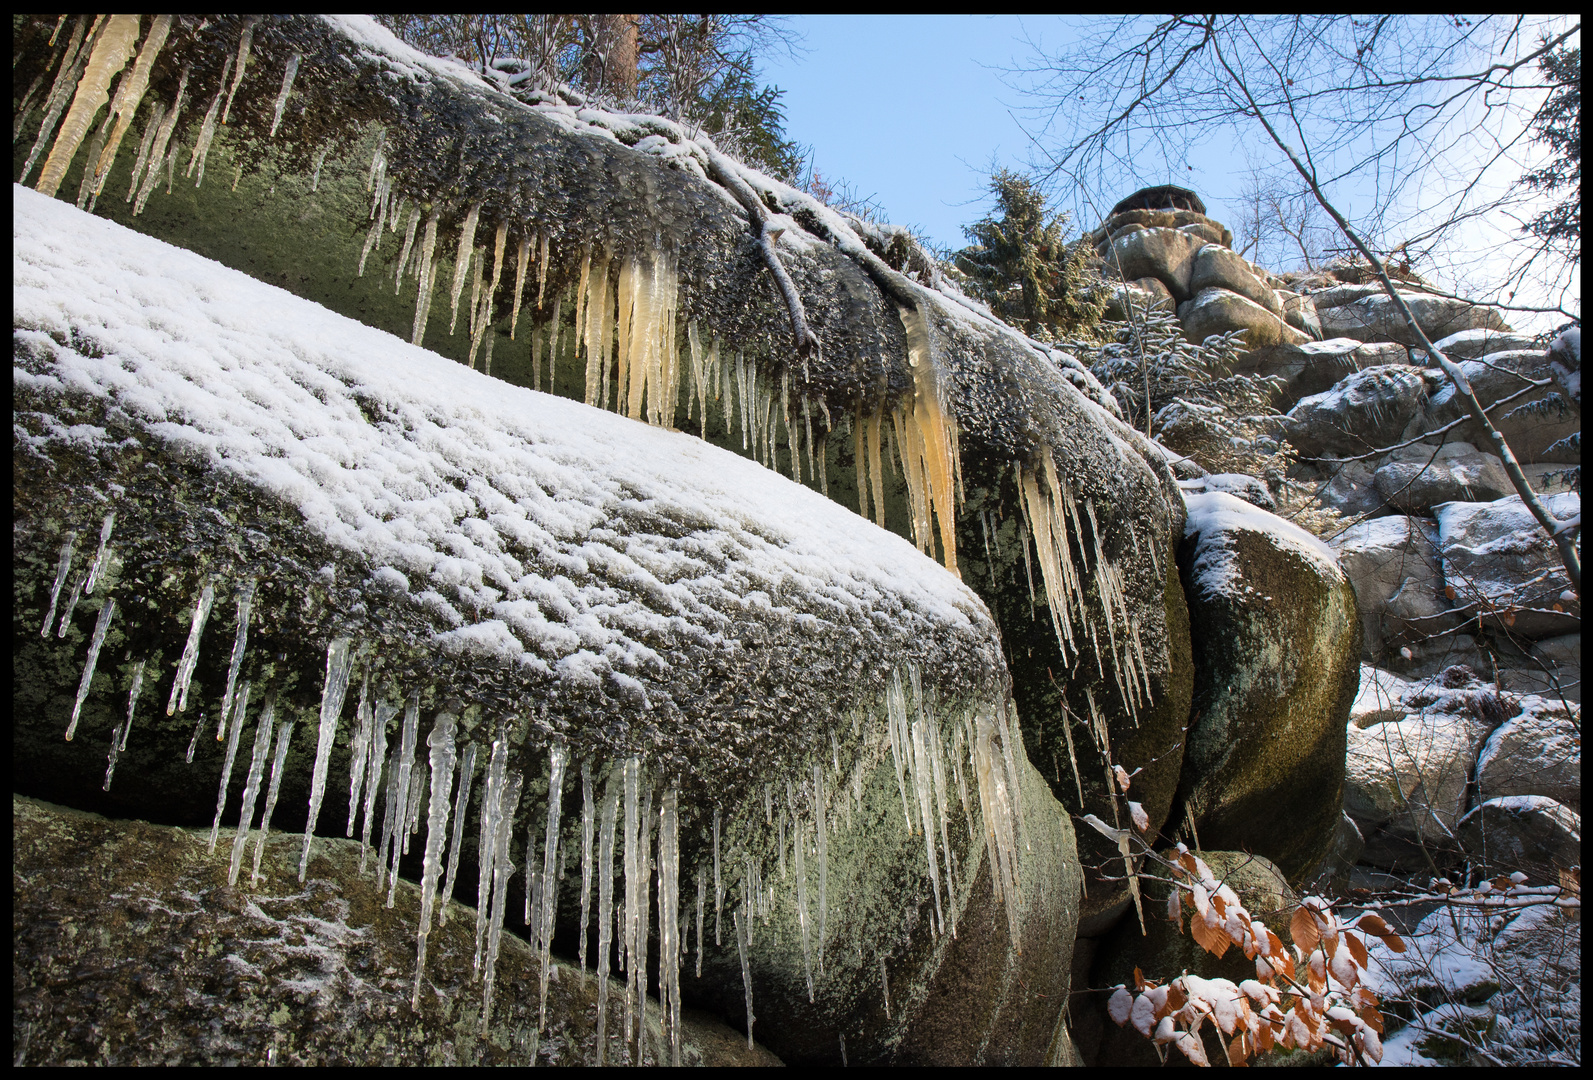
x=1433, y=117
x=1280, y=223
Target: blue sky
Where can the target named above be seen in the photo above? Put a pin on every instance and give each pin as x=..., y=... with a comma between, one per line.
x=913, y=110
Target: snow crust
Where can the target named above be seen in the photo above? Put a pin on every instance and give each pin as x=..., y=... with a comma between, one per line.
x=460, y=487
x=1212, y=515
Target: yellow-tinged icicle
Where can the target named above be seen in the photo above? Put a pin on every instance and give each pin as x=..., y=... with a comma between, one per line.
x=925, y=443
x=467, y=244
x=595, y=333
x=521, y=262
x=110, y=55
x=130, y=95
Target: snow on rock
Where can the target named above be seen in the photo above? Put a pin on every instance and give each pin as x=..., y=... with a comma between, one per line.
x=1530, y=834
x=1215, y=516
x=1399, y=587
x=1536, y=752
x=1504, y=568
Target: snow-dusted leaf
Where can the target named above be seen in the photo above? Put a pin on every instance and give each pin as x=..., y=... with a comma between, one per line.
x=1119, y=1005
x=1137, y=814
x=1120, y=774
x=1115, y=835
x=1144, y=1014
x=1357, y=949
x=1175, y=911
x=1165, y=1032
x=1304, y=929
x=1192, y=1048
x=1238, y=1055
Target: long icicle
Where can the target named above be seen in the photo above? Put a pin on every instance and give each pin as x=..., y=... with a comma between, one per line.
x=107, y=613
x=108, y=57
x=376, y=761
x=338, y=664
x=461, y=804
x=226, y=768
x=284, y=733
x=239, y=644
x=185, y=666
x=588, y=816
x=503, y=866
x=251, y=792
x=558, y=755
x=605, y=907
x=441, y=742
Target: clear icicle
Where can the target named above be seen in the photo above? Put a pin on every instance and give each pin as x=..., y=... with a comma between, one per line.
x=558, y=755
x=743, y=933
x=702, y=889
x=282, y=95
x=427, y=274
x=107, y=613
x=239, y=643
x=284, y=733
x=719, y=887
x=896, y=720
x=503, y=867
x=497, y=767
x=938, y=772
x=339, y=663
x=375, y=761
x=605, y=905
x=102, y=557
x=542, y=265
x=358, y=751
x=404, y=787
x=226, y=768
x=522, y=262
x=66, y=78
x=158, y=155
x=119, y=738
x=207, y=132
x=109, y=56
x=251, y=792
x=921, y=784
x=185, y=666
x=244, y=41
x=461, y=804
x=633, y=875
x=798, y=847
x=61, y=570
x=669, y=920
x=409, y=245
x=823, y=854
x=441, y=742
x=588, y=822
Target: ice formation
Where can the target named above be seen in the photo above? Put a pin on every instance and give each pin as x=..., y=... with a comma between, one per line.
x=441, y=742
x=284, y=733
x=190, y=657
x=338, y=665
x=239, y=644
x=119, y=734
x=226, y=768
x=251, y=791
x=112, y=46
x=107, y=613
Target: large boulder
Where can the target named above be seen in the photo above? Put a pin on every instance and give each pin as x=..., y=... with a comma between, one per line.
x=1394, y=566
x=1277, y=647
x=1167, y=254
x=1552, y=668
x=726, y=641
x=1348, y=488
x=1367, y=411
x=130, y=948
x=1220, y=311
x=1536, y=426
x=1536, y=752
x=1529, y=834
x=1407, y=781
x=1218, y=267
x=1372, y=316
x=1504, y=569
x=1475, y=344
x=1414, y=479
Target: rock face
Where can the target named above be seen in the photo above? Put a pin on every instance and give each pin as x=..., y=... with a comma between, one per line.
x=481, y=545
x=1373, y=317
x=1394, y=565
x=1216, y=311
x=1537, y=752
x=1277, y=646
x=1363, y=412
x=1418, y=478
x=1529, y=833
x=130, y=948
x=1535, y=428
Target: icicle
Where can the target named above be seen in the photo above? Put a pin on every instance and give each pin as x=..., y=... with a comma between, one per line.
x=605, y=906
x=239, y=643
x=85, y=187
x=441, y=742
x=428, y=270
x=102, y=557
x=885, y=987
x=130, y=95
x=743, y=933
x=938, y=772
x=107, y=612
x=251, y=791
x=358, y=751
x=158, y=155
x=922, y=784
x=282, y=95
x=633, y=885
x=824, y=855
x=284, y=732
x=595, y=333
x=185, y=667
x=119, y=739
x=669, y=920
x=702, y=891
x=207, y=131
x=66, y=78
x=61, y=570
x=226, y=768
x=477, y=261
x=409, y=243
x=896, y=720
x=371, y=237
x=109, y=56
x=522, y=261
x=558, y=754
x=497, y=767
x=157, y=116
x=461, y=804
x=338, y=665
x=376, y=761
x=799, y=846
x=502, y=869
x=467, y=242
x=719, y=888
x=244, y=41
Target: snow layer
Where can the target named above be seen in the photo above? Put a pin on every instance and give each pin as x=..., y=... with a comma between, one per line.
x=1212, y=515
x=536, y=514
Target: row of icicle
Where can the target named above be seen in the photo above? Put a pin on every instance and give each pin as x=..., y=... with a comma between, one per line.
x=984, y=742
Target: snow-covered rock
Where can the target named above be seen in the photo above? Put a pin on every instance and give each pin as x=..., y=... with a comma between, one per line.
x=1536, y=752
x=1503, y=567
x=1530, y=834
x=1367, y=411
x=1417, y=478
x=1475, y=344
x=1532, y=425
x=1218, y=311
x=1372, y=316
x=1218, y=267
x=1277, y=649
x=1167, y=254
x=1380, y=698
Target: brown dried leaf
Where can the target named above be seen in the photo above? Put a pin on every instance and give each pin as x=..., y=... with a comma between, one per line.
x=1372, y=1018
x=1237, y=1057
x=1373, y=924
x=1305, y=930
x=1176, y=998
x=1139, y=980
x=1357, y=949
x=1214, y=939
